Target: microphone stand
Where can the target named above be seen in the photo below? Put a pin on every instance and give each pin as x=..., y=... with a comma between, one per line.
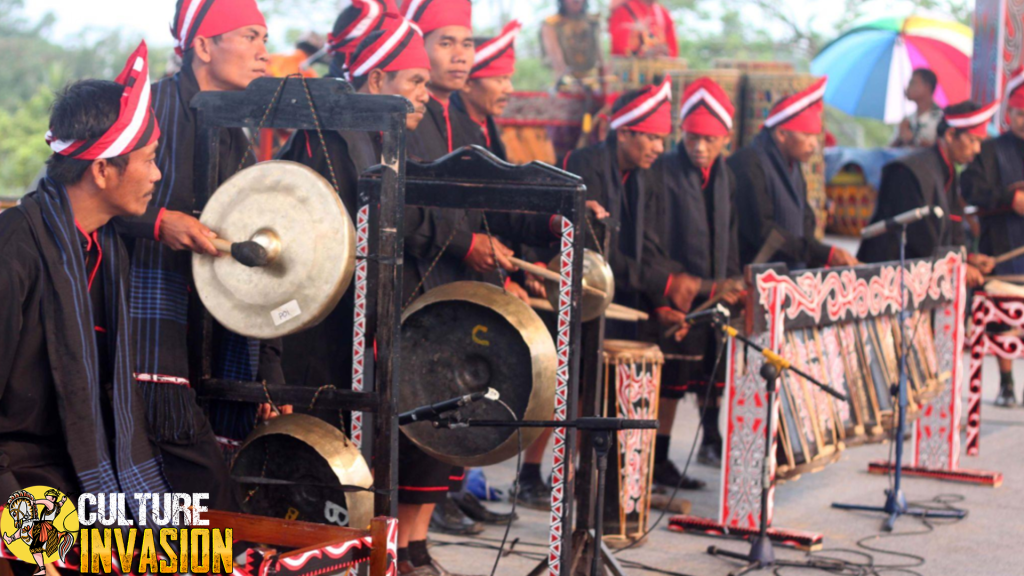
x=762, y=551
x=600, y=430
x=895, y=502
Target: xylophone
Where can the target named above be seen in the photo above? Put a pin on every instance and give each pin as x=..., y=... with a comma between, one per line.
x=840, y=325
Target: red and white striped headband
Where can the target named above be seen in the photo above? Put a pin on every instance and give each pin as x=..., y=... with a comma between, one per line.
x=366, y=16
x=704, y=98
x=400, y=47
x=802, y=109
x=211, y=18
x=975, y=122
x=136, y=125
x=649, y=112
x=497, y=56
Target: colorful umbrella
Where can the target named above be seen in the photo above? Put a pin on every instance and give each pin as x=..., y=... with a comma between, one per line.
x=869, y=66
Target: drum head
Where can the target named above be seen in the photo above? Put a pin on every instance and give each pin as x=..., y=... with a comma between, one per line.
x=316, y=261
x=310, y=460
x=466, y=337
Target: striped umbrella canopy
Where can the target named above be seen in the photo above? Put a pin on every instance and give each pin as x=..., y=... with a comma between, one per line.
x=869, y=66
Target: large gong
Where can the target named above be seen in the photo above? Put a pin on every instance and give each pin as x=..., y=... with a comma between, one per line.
x=295, y=466
x=298, y=218
x=466, y=337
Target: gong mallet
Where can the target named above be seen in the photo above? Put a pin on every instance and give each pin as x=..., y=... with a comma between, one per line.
x=549, y=275
x=613, y=312
x=261, y=250
x=1008, y=255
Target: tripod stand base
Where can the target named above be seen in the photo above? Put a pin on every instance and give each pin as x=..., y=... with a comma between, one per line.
x=896, y=506
x=806, y=541
x=760, y=557
x=982, y=477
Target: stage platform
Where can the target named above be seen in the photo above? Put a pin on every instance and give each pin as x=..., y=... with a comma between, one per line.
x=986, y=542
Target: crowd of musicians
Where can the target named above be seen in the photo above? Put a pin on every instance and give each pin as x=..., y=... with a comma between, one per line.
x=95, y=274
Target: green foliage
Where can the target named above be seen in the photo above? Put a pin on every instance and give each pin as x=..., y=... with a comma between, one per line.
x=23, y=149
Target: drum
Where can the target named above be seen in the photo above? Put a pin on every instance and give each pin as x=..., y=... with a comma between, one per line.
x=632, y=378
x=761, y=93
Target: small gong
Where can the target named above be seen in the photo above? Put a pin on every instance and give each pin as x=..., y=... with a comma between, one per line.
x=298, y=218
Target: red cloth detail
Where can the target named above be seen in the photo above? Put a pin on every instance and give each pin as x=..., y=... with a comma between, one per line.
x=625, y=176
x=136, y=126
x=712, y=293
x=471, y=244
x=424, y=488
x=497, y=56
x=630, y=21
x=551, y=221
x=663, y=308
x=975, y=122
x=705, y=108
x=800, y=112
x=220, y=16
x=385, y=52
x=457, y=478
x=831, y=253
x=100, y=329
x=374, y=349
x=508, y=280
x=668, y=285
x=705, y=176
x=156, y=225
x=362, y=17
x=950, y=171
x=955, y=218
x=430, y=15
x=487, y=135
x=309, y=150
x=565, y=161
x=99, y=259
x=649, y=112
x=88, y=238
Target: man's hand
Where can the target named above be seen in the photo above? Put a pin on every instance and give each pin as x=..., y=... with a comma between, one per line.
x=599, y=212
x=983, y=262
x=682, y=290
x=732, y=290
x=518, y=291
x=535, y=284
x=841, y=258
x=669, y=317
x=183, y=232
x=266, y=411
x=481, y=258
x=975, y=278
x=1018, y=199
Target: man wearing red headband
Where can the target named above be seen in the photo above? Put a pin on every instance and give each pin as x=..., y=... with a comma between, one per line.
x=771, y=188
x=390, y=60
x=643, y=28
x=222, y=45
x=616, y=173
x=929, y=177
x=489, y=87
x=994, y=182
x=67, y=397
x=699, y=225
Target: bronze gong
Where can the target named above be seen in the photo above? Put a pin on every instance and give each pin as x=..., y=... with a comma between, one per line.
x=466, y=337
x=309, y=242
x=596, y=274
x=296, y=467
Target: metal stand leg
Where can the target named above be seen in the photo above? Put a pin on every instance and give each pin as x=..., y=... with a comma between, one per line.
x=895, y=503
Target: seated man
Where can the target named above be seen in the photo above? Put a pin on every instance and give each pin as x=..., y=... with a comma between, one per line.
x=68, y=402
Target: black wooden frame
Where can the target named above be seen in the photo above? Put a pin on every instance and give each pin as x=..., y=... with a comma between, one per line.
x=338, y=107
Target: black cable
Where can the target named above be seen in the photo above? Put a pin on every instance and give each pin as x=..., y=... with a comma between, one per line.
x=689, y=458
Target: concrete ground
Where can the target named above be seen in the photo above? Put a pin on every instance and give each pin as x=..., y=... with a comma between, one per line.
x=988, y=542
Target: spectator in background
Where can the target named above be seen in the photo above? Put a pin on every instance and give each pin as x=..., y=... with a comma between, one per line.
x=300, y=60
x=570, y=42
x=643, y=28
x=919, y=129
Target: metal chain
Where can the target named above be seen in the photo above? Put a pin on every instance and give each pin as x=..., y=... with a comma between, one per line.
x=316, y=396
x=320, y=134
x=250, y=141
x=437, y=259
x=502, y=274
x=593, y=235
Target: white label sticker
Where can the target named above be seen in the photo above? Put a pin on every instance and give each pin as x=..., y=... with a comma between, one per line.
x=285, y=313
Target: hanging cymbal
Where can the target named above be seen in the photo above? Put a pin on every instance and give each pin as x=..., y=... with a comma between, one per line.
x=597, y=273
x=299, y=467
x=466, y=337
x=307, y=258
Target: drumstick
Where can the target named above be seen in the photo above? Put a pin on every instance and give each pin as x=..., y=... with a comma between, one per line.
x=1008, y=255
x=619, y=313
x=247, y=253
x=549, y=275
x=1017, y=278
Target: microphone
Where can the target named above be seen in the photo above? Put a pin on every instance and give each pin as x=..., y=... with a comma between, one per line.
x=900, y=220
x=434, y=411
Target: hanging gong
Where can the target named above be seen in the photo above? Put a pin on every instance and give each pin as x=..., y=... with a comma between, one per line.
x=309, y=241
x=466, y=337
x=597, y=273
x=297, y=467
